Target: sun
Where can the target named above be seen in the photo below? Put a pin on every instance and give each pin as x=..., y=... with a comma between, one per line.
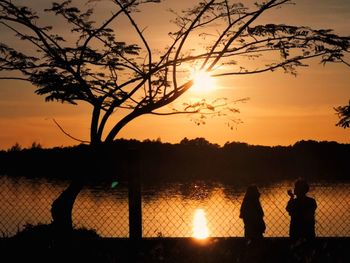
x=202, y=82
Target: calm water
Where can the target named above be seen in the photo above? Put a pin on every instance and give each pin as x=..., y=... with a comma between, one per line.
x=176, y=210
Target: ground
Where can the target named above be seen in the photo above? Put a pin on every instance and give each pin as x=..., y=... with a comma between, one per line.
x=103, y=250
x=42, y=244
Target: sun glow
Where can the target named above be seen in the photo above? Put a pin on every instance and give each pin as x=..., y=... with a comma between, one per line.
x=203, y=82
x=200, y=229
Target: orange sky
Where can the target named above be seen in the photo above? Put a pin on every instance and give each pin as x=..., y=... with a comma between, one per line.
x=282, y=108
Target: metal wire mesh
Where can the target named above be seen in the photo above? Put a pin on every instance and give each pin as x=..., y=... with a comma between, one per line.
x=28, y=202
x=175, y=214
x=169, y=211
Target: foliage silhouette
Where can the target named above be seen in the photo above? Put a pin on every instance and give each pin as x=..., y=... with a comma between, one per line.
x=344, y=115
x=234, y=162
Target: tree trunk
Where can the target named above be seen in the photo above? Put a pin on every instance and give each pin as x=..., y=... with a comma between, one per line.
x=62, y=206
x=61, y=209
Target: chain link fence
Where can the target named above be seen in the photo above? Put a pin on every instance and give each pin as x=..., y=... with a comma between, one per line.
x=176, y=210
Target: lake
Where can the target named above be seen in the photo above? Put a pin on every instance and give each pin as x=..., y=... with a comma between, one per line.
x=169, y=210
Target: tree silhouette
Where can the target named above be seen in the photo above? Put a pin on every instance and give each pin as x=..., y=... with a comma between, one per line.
x=90, y=63
x=344, y=115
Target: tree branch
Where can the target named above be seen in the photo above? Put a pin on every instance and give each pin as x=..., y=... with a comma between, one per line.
x=70, y=136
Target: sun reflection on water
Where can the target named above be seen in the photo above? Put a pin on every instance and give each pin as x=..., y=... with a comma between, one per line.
x=200, y=229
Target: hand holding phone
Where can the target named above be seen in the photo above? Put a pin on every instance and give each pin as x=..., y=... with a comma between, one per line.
x=290, y=193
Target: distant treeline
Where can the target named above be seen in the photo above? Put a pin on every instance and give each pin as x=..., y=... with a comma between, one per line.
x=189, y=160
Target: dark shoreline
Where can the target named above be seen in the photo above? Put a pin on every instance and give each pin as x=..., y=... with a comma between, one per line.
x=191, y=160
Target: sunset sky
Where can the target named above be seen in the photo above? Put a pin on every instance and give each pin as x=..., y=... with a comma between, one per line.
x=282, y=109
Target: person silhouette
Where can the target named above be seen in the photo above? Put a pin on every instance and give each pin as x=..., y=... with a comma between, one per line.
x=252, y=214
x=302, y=212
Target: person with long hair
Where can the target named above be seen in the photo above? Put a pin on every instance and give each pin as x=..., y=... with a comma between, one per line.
x=252, y=214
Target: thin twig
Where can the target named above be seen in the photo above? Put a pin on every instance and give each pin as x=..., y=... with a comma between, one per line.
x=66, y=133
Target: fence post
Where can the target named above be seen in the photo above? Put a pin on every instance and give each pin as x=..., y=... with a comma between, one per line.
x=134, y=187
